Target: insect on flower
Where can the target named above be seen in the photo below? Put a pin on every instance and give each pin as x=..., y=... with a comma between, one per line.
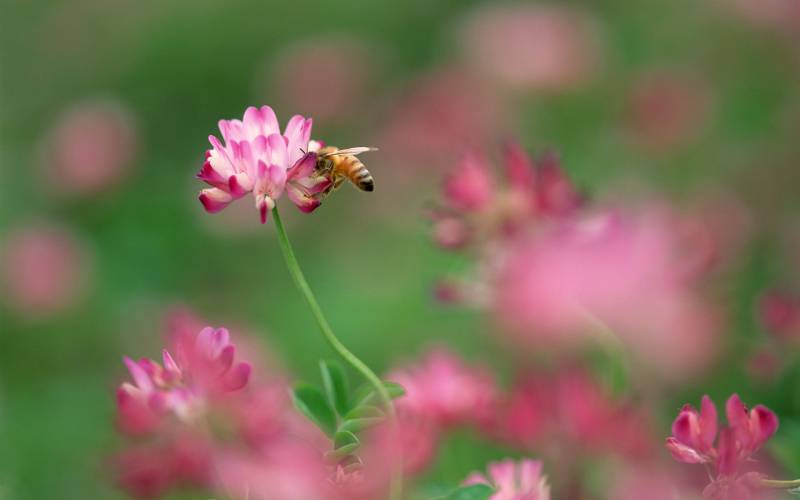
x=337, y=165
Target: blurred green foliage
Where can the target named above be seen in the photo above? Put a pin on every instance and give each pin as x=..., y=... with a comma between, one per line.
x=183, y=65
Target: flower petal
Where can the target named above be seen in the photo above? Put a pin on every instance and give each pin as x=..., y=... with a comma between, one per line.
x=304, y=167
x=708, y=424
x=237, y=377
x=214, y=199
x=764, y=423
x=139, y=375
x=684, y=453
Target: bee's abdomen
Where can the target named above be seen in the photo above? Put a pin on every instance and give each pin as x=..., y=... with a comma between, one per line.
x=359, y=175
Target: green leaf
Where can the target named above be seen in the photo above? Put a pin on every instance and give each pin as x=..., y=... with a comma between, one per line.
x=359, y=424
x=310, y=401
x=344, y=443
x=471, y=492
x=335, y=383
x=365, y=411
x=366, y=394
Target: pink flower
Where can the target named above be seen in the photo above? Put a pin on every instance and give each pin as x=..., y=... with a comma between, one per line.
x=149, y=471
x=444, y=390
x=288, y=471
x=608, y=271
x=204, y=369
x=475, y=208
x=90, y=147
x=256, y=157
x=531, y=46
x=347, y=66
x=469, y=187
x=521, y=480
x=694, y=433
x=572, y=411
x=779, y=313
x=45, y=269
x=667, y=109
x=436, y=116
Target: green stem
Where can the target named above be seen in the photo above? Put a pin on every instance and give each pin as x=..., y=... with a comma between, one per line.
x=778, y=484
x=335, y=343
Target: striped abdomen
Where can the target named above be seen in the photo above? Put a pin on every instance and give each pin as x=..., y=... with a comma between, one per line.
x=351, y=167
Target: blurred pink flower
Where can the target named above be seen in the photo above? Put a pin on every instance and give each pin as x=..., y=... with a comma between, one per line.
x=204, y=370
x=149, y=471
x=606, y=273
x=540, y=47
x=651, y=481
x=694, y=434
x=667, y=109
x=288, y=471
x=570, y=411
x=474, y=208
x=783, y=15
x=779, y=314
x=45, y=269
x=90, y=147
x=256, y=157
x=438, y=116
x=324, y=77
x=193, y=411
x=444, y=390
x=522, y=480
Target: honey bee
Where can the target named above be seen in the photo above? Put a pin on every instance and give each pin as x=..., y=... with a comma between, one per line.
x=339, y=164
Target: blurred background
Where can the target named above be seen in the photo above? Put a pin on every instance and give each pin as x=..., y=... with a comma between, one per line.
x=107, y=105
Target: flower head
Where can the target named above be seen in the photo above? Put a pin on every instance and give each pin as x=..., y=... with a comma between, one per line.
x=204, y=368
x=257, y=158
x=694, y=433
x=521, y=480
x=445, y=390
x=475, y=208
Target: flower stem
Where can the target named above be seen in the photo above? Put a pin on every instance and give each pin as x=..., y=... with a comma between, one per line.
x=333, y=341
x=779, y=484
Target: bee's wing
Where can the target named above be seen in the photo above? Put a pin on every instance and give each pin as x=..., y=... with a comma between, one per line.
x=350, y=151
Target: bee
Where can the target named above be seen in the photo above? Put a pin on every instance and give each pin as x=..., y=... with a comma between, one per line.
x=339, y=164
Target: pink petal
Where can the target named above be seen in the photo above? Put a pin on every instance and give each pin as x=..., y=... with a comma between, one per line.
x=302, y=199
x=738, y=421
x=139, y=375
x=519, y=168
x=686, y=428
x=708, y=423
x=253, y=122
x=277, y=148
x=529, y=474
x=502, y=474
x=683, y=453
x=225, y=359
x=210, y=176
x=475, y=478
x=304, y=167
x=270, y=121
x=214, y=199
x=169, y=362
x=239, y=185
x=470, y=186
x=764, y=423
x=264, y=204
x=728, y=461
x=219, y=148
x=237, y=377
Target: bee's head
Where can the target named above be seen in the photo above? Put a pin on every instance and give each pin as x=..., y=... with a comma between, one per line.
x=324, y=164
